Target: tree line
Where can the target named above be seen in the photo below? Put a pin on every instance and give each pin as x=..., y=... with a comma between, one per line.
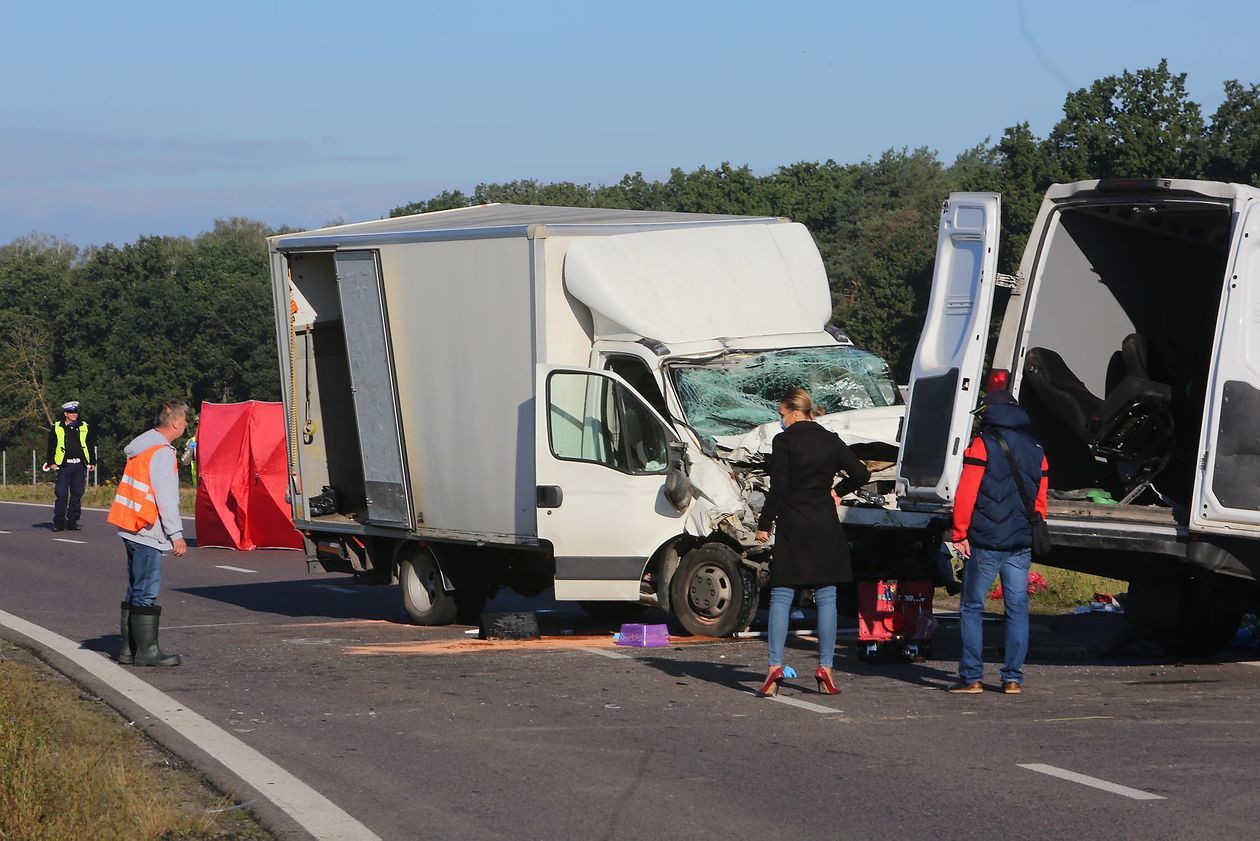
x=120, y=328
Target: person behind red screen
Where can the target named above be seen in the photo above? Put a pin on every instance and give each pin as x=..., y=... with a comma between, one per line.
x=991, y=530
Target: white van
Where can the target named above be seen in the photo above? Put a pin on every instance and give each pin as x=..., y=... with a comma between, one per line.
x=546, y=396
x=1131, y=335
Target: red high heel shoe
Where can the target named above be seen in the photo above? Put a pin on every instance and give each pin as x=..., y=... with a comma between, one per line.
x=771, y=687
x=826, y=686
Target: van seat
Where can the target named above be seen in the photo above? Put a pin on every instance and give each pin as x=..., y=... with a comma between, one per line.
x=1131, y=429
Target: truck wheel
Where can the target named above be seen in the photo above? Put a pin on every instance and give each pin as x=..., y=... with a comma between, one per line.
x=1211, y=610
x=711, y=594
x=421, y=583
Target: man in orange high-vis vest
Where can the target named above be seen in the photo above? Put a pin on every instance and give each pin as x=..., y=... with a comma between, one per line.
x=146, y=512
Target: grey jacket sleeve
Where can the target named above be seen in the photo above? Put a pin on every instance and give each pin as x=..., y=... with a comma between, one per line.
x=166, y=490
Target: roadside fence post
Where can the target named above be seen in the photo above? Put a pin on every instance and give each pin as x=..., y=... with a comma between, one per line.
x=32, y=468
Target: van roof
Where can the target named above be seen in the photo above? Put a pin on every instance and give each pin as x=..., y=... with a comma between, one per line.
x=1150, y=186
x=496, y=219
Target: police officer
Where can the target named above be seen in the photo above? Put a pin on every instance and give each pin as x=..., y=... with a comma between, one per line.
x=71, y=451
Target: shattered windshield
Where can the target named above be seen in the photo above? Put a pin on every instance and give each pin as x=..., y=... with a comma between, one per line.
x=736, y=392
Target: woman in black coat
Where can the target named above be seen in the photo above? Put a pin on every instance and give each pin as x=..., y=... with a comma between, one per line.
x=810, y=549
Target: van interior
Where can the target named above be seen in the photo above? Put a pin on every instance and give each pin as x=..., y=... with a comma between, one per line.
x=1119, y=347
x=328, y=445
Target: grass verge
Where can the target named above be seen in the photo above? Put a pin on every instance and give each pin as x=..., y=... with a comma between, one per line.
x=93, y=497
x=71, y=768
x=1065, y=590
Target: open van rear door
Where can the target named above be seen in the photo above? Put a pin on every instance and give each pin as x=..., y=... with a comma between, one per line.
x=602, y=462
x=945, y=377
x=1227, y=488
x=373, y=385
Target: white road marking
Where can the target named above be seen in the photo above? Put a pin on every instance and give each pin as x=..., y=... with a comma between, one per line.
x=234, y=569
x=45, y=505
x=804, y=705
x=335, y=588
x=315, y=813
x=215, y=625
x=1093, y=782
x=1250, y=663
x=603, y=653
x=68, y=540
x=2, y=531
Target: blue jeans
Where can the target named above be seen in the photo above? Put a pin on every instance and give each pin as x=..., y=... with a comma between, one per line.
x=982, y=567
x=144, y=573
x=780, y=610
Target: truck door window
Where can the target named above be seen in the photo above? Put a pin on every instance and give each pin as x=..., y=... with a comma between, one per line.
x=636, y=372
x=594, y=419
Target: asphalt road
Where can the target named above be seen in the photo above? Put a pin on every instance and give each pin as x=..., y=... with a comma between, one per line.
x=427, y=733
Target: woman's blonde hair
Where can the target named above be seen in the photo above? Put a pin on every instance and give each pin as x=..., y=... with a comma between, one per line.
x=798, y=400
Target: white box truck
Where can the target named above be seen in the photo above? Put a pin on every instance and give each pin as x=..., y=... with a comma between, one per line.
x=545, y=396
x=1131, y=335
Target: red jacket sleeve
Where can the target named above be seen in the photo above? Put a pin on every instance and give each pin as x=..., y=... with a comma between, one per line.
x=974, y=461
x=1043, y=489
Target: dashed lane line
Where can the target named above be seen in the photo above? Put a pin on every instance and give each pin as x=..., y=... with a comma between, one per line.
x=1092, y=782
x=315, y=813
x=804, y=705
x=233, y=569
x=613, y=655
x=335, y=588
x=68, y=540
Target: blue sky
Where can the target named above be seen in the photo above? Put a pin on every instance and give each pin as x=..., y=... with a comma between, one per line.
x=120, y=120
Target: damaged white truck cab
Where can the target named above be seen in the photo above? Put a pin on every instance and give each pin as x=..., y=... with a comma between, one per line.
x=534, y=396
x=1130, y=335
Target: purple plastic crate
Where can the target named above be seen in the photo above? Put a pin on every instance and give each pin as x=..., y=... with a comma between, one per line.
x=644, y=636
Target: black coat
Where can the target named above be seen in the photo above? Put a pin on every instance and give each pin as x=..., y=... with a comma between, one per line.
x=810, y=549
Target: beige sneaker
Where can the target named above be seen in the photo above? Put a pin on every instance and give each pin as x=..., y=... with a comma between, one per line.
x=1011, y=688
x=965, y=688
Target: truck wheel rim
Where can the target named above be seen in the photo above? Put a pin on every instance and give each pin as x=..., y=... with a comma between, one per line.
x=423, y=585
x=710, y=592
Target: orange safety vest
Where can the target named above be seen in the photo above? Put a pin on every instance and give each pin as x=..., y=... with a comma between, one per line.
x=135, y=508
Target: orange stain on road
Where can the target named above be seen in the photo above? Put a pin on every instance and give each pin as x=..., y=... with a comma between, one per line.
x=467, y=646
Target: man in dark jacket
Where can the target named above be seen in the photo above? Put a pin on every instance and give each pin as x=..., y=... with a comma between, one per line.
x=72, y=453
x=992, y=531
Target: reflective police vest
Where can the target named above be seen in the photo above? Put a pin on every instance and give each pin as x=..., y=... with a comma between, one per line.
x=135, y=507
x=59, y=454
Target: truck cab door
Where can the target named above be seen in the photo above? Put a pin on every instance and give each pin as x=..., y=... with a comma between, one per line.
x=945, y=377
x=1226, y=490
x=602, y=461
x=372, y=384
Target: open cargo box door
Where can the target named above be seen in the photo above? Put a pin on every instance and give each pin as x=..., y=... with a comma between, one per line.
x=1227, y=483
x=601, y=457
x=945, y=377
x=372, y=384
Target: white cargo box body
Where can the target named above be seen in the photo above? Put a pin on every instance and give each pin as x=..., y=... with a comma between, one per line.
x=416, y=343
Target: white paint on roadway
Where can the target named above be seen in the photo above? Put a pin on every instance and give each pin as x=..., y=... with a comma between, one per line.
x=234, y=569
x=68, y=540
x=335, y=588
x=1250, y=663
x=315, y=813
x=804, y=705
x=610, y=654
x=1093, y=782
x=47, y=505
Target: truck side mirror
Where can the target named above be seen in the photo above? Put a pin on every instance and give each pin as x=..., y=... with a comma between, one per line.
x=677, y=483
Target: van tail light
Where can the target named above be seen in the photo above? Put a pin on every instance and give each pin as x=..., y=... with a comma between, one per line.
x=998, y=381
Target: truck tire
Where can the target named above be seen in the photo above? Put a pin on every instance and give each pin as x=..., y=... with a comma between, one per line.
x=1211, y=611
x=711, y=593
x=421, y=583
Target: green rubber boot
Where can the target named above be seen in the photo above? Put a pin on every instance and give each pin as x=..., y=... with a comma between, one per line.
x=126, y=648
x=144, y=634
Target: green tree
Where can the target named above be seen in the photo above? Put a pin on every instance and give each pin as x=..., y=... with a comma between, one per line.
x=1137, y=125
x=1234, y=136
